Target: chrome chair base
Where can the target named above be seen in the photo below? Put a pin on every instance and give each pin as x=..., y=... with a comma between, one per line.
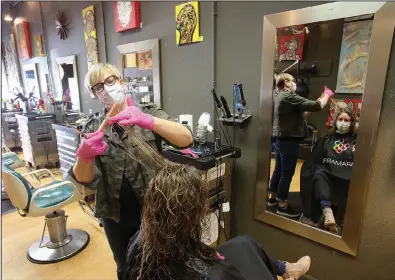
x=49, y=252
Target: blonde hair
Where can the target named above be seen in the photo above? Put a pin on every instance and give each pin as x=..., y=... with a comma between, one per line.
x=281, y=79
x=96, y=72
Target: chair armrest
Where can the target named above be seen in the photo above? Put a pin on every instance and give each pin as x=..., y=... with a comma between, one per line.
x=39, y=171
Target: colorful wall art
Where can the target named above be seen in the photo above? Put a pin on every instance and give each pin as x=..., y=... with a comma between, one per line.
x=11, y=63
x=90, y=35
x=354, y=56
x=291, y=47
x=131, y=60
x=354, y=104
x=38, y=46
x=187, y=23
x=126, y=15
x=145, y=60
x=22, y=32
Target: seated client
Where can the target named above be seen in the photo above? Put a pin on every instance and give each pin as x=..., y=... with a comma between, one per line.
x=325, y=175
x=169, y=246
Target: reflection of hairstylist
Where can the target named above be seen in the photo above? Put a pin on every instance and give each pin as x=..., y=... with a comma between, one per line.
x=326, y=174
x=289, y=128
x=102, y=165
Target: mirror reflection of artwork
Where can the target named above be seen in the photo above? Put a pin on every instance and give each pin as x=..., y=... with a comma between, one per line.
x=187, y=23
x=39, y=50
x=11, y=63
x=131, y=60
x=354, y=56
x=291, y=47
x=145, y=60
x=90, y=35
x=126, y=15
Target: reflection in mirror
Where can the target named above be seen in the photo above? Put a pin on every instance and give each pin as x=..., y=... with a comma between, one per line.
x=68, y=76
x=32, y=89
x=319, y=83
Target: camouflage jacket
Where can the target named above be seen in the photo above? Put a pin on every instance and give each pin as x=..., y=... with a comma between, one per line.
x=114, y=164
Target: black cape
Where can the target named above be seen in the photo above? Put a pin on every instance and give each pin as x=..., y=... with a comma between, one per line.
x=332, y=155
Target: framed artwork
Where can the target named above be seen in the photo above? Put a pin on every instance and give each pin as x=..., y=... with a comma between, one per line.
x=291, y=47
x=24, y=42
x=145, y=59
x=11, y=63
x=354, y=56
x=39, y=50
x=126, y=15
x=131, y=60
x=187, y=23
x=90, y=35
x=354, y=104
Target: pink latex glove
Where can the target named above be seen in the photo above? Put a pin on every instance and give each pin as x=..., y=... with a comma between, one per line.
x=93, y=145
x=132, y=115
x=328, y=91
x=188, y=151
x=220, y=256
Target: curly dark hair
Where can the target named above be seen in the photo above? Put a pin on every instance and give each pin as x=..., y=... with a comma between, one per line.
x=350, y=112
x=174, y=220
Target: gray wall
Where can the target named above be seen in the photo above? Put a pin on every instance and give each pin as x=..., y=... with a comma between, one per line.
x=186, y=82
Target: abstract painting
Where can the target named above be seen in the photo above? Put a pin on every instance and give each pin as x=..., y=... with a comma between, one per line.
x=126, y=15
x=11, y=63
x=354, y=104
x=24, y=42
x=145, y=60
x=90, y=35
x=187, y=23
x=354, y=56
x=39, y=50
x=291, y=47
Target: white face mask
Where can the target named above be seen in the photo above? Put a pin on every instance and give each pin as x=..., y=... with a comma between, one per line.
x=343, y=127
x=111, y=94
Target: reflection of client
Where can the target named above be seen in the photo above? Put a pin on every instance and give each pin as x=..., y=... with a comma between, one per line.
x=169, y=245
x=289, y=128
x=325, y=176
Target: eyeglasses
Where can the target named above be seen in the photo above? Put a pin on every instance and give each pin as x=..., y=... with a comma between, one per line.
x=100, y=86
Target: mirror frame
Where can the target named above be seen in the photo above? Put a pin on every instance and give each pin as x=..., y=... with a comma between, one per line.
x=379, y=54
x=153, y=45
x=69, y=60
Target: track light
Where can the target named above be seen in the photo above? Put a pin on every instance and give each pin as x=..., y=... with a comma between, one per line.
x=7, y=16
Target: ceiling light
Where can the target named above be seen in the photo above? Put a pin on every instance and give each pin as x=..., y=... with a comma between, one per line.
x=8, y=17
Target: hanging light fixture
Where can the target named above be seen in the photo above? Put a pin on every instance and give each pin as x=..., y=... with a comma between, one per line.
x=7, y=16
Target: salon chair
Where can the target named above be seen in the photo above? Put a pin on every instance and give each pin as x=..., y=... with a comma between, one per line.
x=46, y=200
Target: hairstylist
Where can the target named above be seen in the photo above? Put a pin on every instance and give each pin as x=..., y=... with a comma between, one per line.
x=289, y=128
x=102, y=165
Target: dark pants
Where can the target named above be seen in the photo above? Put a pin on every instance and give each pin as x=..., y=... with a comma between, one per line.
x=118, y=236
x=332, y=190
x=250, y=259
x=286, y=152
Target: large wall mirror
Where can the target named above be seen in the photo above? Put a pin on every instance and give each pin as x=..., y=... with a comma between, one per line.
x=67, y=69
x=314, y=160
x=140, y=64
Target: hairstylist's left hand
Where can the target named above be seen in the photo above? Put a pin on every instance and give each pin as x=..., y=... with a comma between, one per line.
x=132, y=115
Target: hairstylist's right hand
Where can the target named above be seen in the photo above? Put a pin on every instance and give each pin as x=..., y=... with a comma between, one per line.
x=328, y=91
x=93, y=145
